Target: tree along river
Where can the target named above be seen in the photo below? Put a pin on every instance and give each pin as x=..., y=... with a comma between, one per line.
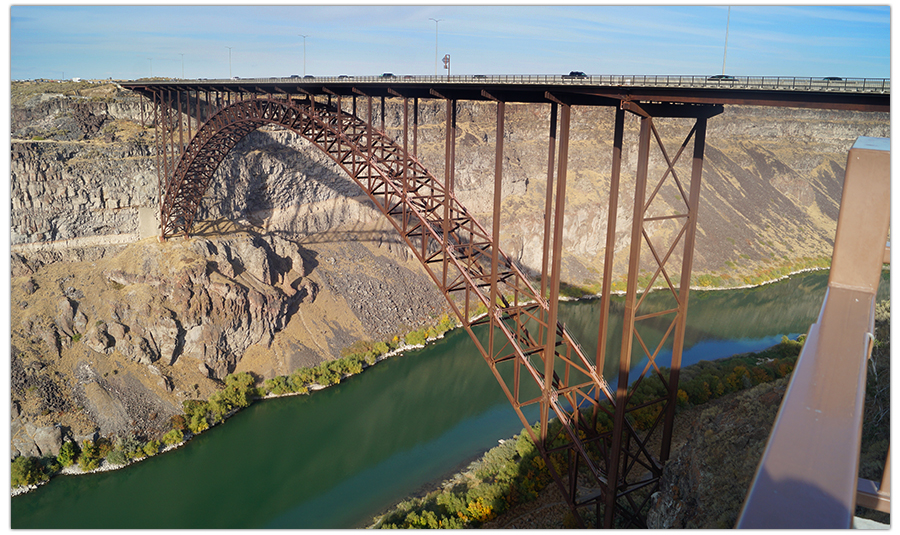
x=339, y=457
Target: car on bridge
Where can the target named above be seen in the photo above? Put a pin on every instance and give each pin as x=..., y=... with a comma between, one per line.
x=388, y=75
x=721, y=77
x=574, y=74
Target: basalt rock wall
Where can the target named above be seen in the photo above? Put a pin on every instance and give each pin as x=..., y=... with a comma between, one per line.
x=771, y=182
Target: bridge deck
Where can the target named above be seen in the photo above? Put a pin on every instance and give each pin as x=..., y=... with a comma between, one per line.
x=851, y=94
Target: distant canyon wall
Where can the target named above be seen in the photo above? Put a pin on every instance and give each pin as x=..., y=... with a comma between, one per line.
x=771, y=179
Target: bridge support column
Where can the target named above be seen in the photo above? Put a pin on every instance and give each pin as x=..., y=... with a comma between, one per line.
x=609, y=252
x=548, y=204
x=637, y=223
x=628, y=450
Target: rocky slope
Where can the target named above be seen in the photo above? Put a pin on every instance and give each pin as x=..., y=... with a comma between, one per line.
x=113, y=345
x=110, y=333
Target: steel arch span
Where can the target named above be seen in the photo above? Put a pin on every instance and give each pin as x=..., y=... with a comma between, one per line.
x=603, y=465
x=456, y=251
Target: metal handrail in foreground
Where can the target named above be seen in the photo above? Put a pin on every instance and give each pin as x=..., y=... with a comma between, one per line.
x=808, y=475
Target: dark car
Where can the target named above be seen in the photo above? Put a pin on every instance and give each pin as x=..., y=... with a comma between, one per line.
x=721, y=77
x=575, y=74
x=341, y=77
x=309, y=76
x=833, y=79
x=388, y=75
x=295, y=76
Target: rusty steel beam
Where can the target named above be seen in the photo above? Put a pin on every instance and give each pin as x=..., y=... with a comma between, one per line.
x=556, y=265
x=628, y=323
x=609, y=252
x=548, y=203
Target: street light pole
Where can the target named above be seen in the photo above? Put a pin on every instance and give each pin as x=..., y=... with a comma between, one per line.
x=725, y=55
x=304, y=52
x=182, y=66
x=229, y=61
x=436, y=21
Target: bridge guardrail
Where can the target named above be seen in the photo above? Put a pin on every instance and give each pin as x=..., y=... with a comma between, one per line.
x=808, y=475
x=786, y=83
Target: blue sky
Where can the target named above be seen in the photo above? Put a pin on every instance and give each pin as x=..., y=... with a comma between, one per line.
x=129, y=42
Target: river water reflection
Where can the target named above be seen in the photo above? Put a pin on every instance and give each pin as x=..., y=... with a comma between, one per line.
x=337, y=458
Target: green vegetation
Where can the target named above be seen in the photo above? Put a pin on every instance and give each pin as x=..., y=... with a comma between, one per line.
x=27, y=471
x=68, y=454
x=90, y=457
x=173, y=437
x=514, y=472
x=354, y=359
x=507, y=475
x=763, y=274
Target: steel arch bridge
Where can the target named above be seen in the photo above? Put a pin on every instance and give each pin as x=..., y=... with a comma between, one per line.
x=534, y=358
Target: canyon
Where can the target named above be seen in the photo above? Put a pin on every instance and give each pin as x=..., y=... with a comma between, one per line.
x=112, y=330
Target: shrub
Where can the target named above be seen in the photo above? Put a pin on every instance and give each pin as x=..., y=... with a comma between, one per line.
x=151, y=448
x=174, y=436
x=415, y=338
x=68, y=454
x=178, y=422
x=198, y=424
x=193, y=407
x=26, y=471
x=90, y=456
x=117, y=457
x=130, y=446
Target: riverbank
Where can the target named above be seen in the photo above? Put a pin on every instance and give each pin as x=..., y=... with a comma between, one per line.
x=106, y=466
x=694, y=288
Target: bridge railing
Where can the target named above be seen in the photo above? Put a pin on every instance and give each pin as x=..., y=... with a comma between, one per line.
x=808, y=475
x=787, y=83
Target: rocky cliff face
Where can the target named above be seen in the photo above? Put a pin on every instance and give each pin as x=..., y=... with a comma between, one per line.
x=113, y=345
x=771, y=183
x=705, y=483
x=110, y=334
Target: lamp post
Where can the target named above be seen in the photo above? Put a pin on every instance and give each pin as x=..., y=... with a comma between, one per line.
x=436, y=21
x=725, y=55
x=182, y=66
x=229, y=61
x=304, y=52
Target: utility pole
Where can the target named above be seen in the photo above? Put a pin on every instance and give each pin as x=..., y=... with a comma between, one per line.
x=436, y=21
x=229, y=62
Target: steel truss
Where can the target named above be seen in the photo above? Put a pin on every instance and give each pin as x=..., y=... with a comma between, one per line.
x=604, y=472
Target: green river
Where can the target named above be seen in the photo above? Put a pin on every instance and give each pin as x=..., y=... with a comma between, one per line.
x=339, y=457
